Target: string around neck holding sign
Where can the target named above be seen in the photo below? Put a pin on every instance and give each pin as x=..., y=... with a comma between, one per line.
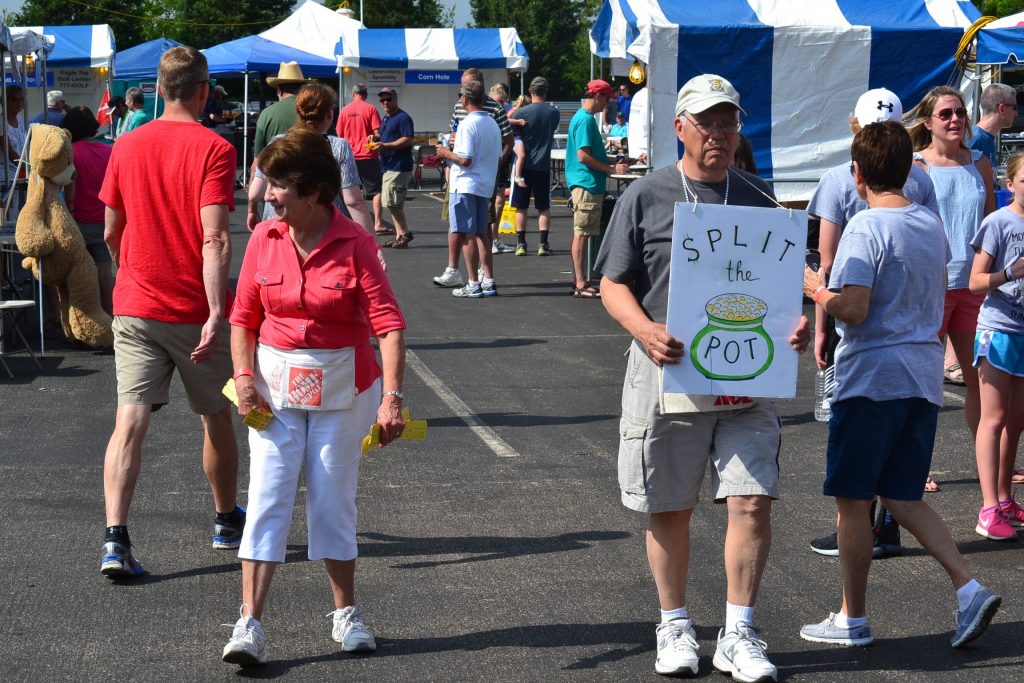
x=686, y=189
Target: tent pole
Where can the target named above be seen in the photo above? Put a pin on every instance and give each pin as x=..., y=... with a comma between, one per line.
x=3, y=137
x=591, y=67
x=522, y=82
x=245, y=130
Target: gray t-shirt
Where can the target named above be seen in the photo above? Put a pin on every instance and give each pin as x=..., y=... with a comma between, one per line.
x=637, y=246
x=538, y=134
x=895, y=353
x=836, y=199
x=1002, y=235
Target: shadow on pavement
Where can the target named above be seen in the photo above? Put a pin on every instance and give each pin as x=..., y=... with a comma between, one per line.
x=521, y=420
x=476, y=548
x=493, y=344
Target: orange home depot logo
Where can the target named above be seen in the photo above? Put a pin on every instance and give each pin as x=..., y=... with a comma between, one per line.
x=305, y=386
x=732, y=400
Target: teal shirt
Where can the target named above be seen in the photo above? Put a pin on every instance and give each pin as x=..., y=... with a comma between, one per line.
x=583, y=132
x=135, y=119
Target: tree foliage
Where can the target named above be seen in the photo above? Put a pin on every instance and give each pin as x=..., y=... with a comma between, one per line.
x=999, y=8
x=188, y=21
x=404, y=13
x=127, y=30
x=554, y=33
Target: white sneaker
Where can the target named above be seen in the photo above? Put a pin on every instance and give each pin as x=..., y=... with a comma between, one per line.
x=248, y=644
x=677, y=648
x=350, y=631
x=499, y=248
x=449, y=278
x=742, y=654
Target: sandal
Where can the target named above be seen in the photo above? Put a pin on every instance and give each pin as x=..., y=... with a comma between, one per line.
x=388, y=244
x=385, y=231
x=954, y=375
x=1018, y=476
x=402, y=241
x=931, y=486
x=586, y=292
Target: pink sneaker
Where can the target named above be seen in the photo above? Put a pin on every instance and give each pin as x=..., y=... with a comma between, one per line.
x=992, y=524
x=1013, y=514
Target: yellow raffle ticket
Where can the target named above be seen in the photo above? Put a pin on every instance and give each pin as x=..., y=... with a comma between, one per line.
x=414, y=429
x=257, y=419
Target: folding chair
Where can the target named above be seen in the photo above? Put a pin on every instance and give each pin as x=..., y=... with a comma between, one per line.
x=8, y=309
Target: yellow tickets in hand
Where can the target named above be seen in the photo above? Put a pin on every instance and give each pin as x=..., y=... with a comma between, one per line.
x=414, y=429
x=257, y=418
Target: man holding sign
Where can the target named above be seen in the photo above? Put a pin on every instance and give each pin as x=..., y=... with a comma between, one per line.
x=663, y=453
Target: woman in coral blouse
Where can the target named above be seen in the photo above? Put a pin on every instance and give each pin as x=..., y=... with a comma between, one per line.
x=311, y=294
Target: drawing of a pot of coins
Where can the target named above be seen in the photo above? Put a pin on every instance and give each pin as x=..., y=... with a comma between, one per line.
x=733, y=345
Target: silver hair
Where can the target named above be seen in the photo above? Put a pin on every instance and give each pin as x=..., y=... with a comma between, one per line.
x=134, y=96
x=995, y=94
x=54, y=97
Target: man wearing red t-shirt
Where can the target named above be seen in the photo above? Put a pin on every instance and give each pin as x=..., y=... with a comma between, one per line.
x=168, y=190
x=357, y=121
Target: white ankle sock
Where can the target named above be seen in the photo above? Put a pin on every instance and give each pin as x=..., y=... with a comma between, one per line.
x=669, y=615
x=966, y=592
x=735, y=614
x=843, y=621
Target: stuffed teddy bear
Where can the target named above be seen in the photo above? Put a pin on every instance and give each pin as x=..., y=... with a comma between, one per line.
x=47, y=231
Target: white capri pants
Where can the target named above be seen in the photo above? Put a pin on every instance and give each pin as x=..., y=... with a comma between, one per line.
x=329, y=444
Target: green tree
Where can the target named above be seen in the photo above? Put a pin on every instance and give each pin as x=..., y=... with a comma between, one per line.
x=999, y=8
x=203, y=23
x=404, y=13
x=128, y=31
x=555, y=35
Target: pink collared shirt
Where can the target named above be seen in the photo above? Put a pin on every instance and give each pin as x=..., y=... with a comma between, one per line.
x=340, y=296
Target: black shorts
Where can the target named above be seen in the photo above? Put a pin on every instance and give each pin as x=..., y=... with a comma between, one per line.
x=538, y=184
x=370, y=176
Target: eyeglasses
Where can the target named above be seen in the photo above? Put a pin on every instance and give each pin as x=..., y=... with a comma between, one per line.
x=387, y=99
x=706, y=128
x=947, y=113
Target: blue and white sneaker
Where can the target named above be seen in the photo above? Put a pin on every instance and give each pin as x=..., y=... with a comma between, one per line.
x=226, y=535
x=117, y=562
x=469, y=291
x=489, y=290
x=828, y=632
x=972, y=622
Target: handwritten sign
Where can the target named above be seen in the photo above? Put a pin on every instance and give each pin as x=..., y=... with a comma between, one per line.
x=734, y=299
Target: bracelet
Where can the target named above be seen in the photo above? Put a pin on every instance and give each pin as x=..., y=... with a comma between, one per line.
x=242, y=372
x=397, y=394
x=1008, y=274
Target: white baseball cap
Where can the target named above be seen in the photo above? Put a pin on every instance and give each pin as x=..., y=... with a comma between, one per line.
x=876, y=106
x=700, y=93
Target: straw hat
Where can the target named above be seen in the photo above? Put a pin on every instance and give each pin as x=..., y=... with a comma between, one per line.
x=290, y=72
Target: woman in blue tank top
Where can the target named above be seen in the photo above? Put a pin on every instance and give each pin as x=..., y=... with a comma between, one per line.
x=963, y=183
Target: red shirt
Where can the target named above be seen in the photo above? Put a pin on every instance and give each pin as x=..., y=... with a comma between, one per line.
x=357, y=120
x=338, y=298
x=91, y=159
x=160, y=175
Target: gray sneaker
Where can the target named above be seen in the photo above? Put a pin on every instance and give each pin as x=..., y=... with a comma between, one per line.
x=677, y=648
x=743, y=655
x=828, y=632
x=117, y=562
x=248, y=644
x=349, y=630
x=972, y=622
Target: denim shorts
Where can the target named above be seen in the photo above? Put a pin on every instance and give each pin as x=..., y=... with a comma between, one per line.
x=880, y=448
x=467, y=213
x=1003, y=350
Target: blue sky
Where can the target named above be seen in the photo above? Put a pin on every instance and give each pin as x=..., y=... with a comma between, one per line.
x=463, y=13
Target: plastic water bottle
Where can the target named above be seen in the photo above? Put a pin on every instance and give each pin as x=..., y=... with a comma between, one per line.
x=824, y=382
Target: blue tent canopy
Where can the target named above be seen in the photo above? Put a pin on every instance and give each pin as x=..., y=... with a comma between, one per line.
x=799, y=66
x=254, y=53
x=142, y=60
x=1002, y=41
x=434, y=48
x=78, y=46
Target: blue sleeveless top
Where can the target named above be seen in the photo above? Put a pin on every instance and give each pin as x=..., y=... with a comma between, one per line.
x=960, y=192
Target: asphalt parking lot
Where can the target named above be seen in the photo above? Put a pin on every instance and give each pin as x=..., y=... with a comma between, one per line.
x=495, y=550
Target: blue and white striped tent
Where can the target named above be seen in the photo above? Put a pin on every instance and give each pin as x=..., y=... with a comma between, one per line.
x=434, y=48
x=1002, y=41
x=799, y=65
x=78, y=46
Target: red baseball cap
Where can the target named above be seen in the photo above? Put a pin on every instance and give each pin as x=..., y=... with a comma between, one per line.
x=599, y=87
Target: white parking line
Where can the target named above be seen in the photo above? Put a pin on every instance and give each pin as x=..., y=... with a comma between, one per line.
x=459, y=407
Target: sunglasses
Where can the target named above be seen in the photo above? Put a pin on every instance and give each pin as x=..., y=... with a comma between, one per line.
x=947, y=113
x=387, y=99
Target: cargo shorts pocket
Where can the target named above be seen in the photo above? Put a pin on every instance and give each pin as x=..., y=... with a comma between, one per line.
x=632, y=438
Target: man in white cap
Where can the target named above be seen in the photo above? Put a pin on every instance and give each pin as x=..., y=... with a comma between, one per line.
x=663, y=455
x=835, y=202
x=280, y=116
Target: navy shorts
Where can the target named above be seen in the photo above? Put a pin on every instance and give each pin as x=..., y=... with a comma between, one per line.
x=880, y=448
x=538, y=184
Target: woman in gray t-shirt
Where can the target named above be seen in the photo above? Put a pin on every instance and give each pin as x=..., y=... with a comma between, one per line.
x=998, y=269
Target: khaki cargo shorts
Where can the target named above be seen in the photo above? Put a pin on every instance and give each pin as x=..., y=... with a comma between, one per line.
x=586, y=217
x=393, y=189
x=147, y=352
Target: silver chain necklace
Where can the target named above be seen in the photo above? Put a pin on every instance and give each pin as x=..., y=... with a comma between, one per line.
x=686, y=188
